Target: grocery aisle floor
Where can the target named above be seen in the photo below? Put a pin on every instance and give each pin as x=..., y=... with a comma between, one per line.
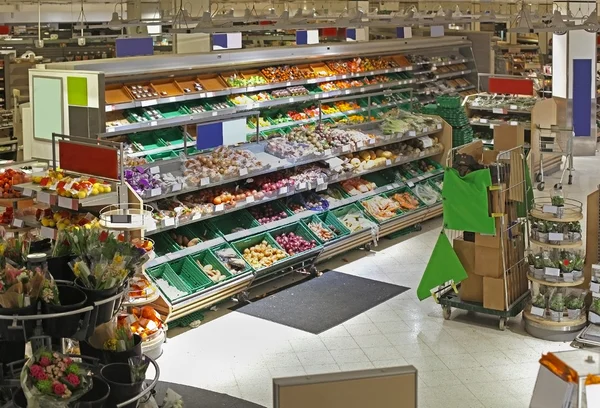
x=465, y=362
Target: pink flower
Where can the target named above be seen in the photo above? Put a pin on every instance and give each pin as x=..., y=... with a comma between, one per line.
x=67, y=361
x=45, y=361
x=73, y=380
x=58, y=388
x=36, y=370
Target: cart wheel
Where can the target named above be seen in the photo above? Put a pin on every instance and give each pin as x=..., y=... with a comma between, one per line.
x=570, y=179
x=314, y=272
x=418, y=227
x=243, y=297
x=502, y=323
x=368, y=246
x=541, y=186
x=446, y=311
x=538, y=177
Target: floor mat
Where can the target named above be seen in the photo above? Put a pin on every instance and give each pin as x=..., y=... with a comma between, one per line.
x=200, y=398
x=319, y=304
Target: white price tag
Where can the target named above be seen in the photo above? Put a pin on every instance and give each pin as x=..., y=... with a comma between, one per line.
x=154, y=170
x=492, y=126
x=537, y=311
x=514, y=123
x=592, y=395
x=359, y=144
x=176, y=187
x=43, y=197
x=196, y=216
x=69, y=203
x=551, y=271
x=151, y=102
x=250, y=199
x=168, y=222
x=243, y=172
x=410, y=184
x=327, y=152
x=421, y=154
x=412, y=133
x=155, y=192
x=219, y=207
x=320, y=181
x=321, y=187
x=210, y=94
x=214, y=113
x=27, y=192
x=555, y=236
x=513, y=107
x=153, y=123
x=483, y=120
x=371, y=141
x=550, y=209
x=172, y=99
x=283, y=190
x=301, y=186
x=17, y=223
x=425, y=130
x=388, y=162
x=499, y=111
x=388, y=187
x=438, y=126
x=345, y=148
x=109, y=108
x=205, y=181
x=595, y=287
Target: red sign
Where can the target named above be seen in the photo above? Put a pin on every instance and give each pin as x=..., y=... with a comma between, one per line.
x=94, y=160
x=511, y=86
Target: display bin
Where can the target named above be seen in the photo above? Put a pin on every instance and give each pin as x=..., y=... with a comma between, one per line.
x=245, y=243
x=187, y=269
x=373, y=217
x=275, y=205
x=203, y=230
x=166, y=272
x=208, y=258
x=173, y=111
x=299, y=229
x=334, y=224
x=380, y=178
x=151, y=158
x=339, y=213
x=406, y=190
x=225, y=224
x=173, y=137
x=164, y=244
x=226, y=245
x=318, y=220
x=146, y=141
x=437, y=182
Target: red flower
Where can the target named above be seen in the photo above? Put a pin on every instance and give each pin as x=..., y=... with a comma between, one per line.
x=36, y=371
x=566, y=262
x=45, y=361
x=68, y=361
x=73, y=380
x=58, y=388
x=103, y=236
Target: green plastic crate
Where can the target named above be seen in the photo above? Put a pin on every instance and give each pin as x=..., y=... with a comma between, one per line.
x=173, y=111
x=245, y=243
x=334, y=224
x=299, y=229
x=190, y=273
x=317, y=220
x=203, y=230
x=225, y=245
x=372, y=216
x=164, y=244
x=208, y=258
x=146, y=141
x=277, y=207
x=173, y=137
x=164, y=271
x=380, y=178
x=225, y=224
x=406, y=190
x=339, y=213
x=151, y=158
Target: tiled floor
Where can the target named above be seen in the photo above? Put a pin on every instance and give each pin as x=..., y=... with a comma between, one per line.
x=464, y=362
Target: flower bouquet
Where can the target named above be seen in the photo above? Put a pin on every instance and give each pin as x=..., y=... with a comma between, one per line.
x=112, y=342
x=52, y=380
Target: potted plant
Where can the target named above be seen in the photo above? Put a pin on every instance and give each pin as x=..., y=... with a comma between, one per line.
x=538, y=266
x=578, y=264
x=574, y=306
x=550, y=268
x=557, y=306
x=534, y=228
x=112, y=342
x=574, y=231
x=566, y=269
x=538, y=305
x=554, y=232
x=594, y=311
x=542, y=231
x=558, y=200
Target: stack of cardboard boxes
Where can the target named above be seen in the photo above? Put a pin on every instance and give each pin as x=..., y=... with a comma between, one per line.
x=495, y=264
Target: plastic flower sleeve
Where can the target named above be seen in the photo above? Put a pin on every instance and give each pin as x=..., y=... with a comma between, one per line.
x=138, y=366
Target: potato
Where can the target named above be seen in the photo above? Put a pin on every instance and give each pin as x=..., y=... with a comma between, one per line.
x=193, y=242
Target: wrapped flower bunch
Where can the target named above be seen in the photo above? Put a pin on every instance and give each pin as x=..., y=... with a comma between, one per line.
x=50, y=379
x=19, y=287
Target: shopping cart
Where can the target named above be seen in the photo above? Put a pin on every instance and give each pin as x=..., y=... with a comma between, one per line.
x=555, y=141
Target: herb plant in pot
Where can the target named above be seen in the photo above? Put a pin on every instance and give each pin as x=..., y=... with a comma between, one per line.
x=557, y=306
x=594, y=312
x=542, y=231
x=60, y=298
x=574, y=231
x=538, y=305
x=566, y=269
x=574, y=306
x=578, y=264
x=538, y=266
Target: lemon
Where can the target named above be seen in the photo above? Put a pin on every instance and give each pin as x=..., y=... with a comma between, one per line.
x=59, y=176
x=95, y=191
x=44, y=222
x=60, y=226
x=82, y=194
x=107, y=189
x=66, y=221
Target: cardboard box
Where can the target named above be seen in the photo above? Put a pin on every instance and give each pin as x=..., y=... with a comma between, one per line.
x=511, y=211
x=471, y=289
x=493, y=293
x=488, y=262
x=491, y=241
x=507, y=137
x=465, y=251
x=497, y=199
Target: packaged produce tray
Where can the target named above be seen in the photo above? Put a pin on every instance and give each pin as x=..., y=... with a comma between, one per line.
x=246, y=243
x=342, y=212
x=329, y=223
x=334, y=224
x=183, y=235
x=215, y=250
x=166, y=273
x=373, y=216
x=206, y=258
x=225, y=224
x=404, y=191
x=426, y=192
x=437, y=182
x=151, y=158
x=300, y=230
x=146, y=141
x=164, y=244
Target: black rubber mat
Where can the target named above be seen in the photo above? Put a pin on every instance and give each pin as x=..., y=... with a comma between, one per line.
x=319, y=304
x=200, y=398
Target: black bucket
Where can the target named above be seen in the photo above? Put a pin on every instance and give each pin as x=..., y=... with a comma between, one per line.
x=59, y=268
x=108, y=357
x=105, y=311
x=96, y=397
x=71, y=298
x=18, y=399
x=118, y=377
x=11, y=351
x=17, y=334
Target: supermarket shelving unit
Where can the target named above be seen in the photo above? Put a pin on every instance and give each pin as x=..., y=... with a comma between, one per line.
x=113, y=101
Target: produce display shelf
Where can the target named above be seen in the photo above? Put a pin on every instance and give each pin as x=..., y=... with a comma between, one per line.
x=177, y=224
x=282, y=164
x=547, y=329
x=570, y=215
x=341, y=246
x=426, y=213
x=561, y=284
x=447, y=92
x=566, y=245
x=275, y=85
x=492, y=123
x=504, y=109
x=52, y=198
